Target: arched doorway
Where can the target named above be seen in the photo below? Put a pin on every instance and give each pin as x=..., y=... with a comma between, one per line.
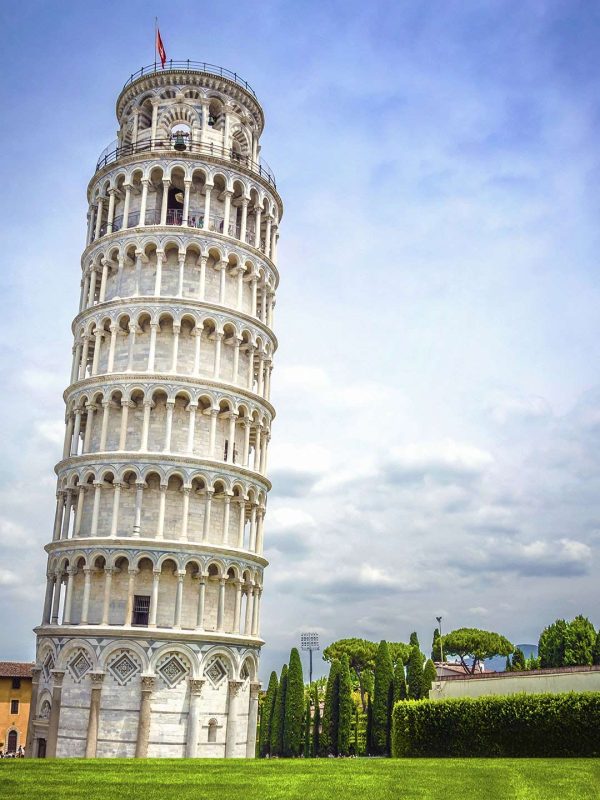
x=12, y=741
x=41, y=749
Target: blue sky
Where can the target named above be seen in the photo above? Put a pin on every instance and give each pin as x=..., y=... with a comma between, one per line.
x=437, y=442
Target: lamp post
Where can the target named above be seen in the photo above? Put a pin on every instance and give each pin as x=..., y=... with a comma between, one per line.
x=439, y=621
x=310, y=642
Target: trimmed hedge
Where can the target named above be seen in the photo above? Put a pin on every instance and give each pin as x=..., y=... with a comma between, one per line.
x=528, y=725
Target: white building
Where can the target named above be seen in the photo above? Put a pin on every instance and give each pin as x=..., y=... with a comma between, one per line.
x=149, y=641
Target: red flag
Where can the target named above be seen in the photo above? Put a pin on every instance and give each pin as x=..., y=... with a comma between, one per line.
x=160, y=48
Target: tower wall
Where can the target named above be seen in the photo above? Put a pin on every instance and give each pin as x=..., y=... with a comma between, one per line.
x=150, y=635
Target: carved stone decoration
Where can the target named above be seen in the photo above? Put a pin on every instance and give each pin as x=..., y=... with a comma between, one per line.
x=196, y=686
x=173, y=670
x=123, y=668
x=79, y=666
x=148, y=683
x=215, y=672
x=48, y=666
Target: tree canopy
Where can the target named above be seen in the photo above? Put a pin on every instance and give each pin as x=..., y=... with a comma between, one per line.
x=475, y=644
x=568, y=644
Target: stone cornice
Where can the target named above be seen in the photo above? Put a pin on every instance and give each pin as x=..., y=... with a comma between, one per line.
x=166, y=546
x=164, y=379
x=127, y=632
x=175, y=231
x=197, y=158
x=177, y=304
x=110, y=458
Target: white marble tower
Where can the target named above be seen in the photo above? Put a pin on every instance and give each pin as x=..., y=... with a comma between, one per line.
x=150, y=639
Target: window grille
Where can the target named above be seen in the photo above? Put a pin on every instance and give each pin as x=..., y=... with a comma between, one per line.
x=14, y=706
x=141, y=609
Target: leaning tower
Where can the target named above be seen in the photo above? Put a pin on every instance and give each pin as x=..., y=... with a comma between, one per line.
x=150, y=638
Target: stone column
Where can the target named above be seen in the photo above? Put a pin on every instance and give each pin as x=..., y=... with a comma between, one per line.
x=238, y=606
x=241, y=522
x=87, y=586
x=143, y=734
x=231, y=437
x=255, y=607
x=212, y=432
x=226, y=510
x=148, y=405
x=108, y=573
x=165, y=200
x=96, y=508
x=35, y=682
x=94, y=716
x=201, y=596
x=176, y=331
x=111, y=210
x=236, y=359
x=178, y=600
x=99, y=218
x=169, y=425
x=202, y=286
x=71, y=571
x=56, y=599
x=103, y=279
x=154, y=599
x=53, y=722
x=79, y=510
x=185, y=512
x=154, y=328
x=191, y=409
x=197, y=346
x=162, y=501
x=48, y=599
x=125, y=406
x=217, y=363
x=67, y=514
x=144, y=202
x=193, y=726
x=115, y=510
x=114, y=332
x=208, y=189
x=181, y=262
x=106, y=404
x=252, y=720
x=221, y=605
x=231, y=734
x=130, y=594
x=187, y=184
x=139, y=496
x=249, y=608
x=158, y=280
x=207, y=507
x=244, y=219
x=257, y=215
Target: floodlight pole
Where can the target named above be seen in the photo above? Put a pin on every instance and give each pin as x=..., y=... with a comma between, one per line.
x=310, y=642
x=439, y=621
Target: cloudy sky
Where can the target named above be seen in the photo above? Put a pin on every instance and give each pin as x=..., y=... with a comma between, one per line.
x=437, y=446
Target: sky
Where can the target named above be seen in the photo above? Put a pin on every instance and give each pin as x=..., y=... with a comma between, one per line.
x=437, y=443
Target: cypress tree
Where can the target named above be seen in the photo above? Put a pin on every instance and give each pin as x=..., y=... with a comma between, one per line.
x=316, y=725
x=294, y=707
x=429, y=675
x=518, y=659
x=356, y=719
x=369, y=731
x=277, y=723
x=414, y=673
x=346, y=707
x=436, y=649
x=414, y=640
x=307, y=729
x=266, y=717
x=383, y=696
x=507, y=665
x=329, y=735
x=399, y=683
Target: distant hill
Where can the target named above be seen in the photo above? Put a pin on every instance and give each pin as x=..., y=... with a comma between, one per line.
x=498, y=663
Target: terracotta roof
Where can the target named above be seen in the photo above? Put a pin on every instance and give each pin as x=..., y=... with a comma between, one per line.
x=15, y=669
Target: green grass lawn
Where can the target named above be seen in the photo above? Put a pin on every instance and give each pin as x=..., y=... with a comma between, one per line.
x=321, y=779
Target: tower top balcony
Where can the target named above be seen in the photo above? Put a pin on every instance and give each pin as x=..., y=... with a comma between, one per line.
x=194, y=82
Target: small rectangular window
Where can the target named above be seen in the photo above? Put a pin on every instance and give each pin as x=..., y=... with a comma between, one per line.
x=14, y=706
x=16, y=683
x=141, y=609
x=225, y=449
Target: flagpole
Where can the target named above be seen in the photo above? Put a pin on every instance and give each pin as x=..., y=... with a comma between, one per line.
x=155, y=40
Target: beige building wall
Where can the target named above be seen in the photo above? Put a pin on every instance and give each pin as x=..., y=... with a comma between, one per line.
x=567, y=679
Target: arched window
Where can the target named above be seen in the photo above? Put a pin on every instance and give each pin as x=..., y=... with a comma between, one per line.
x=212, y=730
x=12, y=742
